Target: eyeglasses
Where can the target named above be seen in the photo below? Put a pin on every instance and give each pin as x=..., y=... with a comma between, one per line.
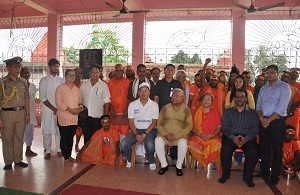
x=207, y=99
x=240, y=97
x=71, y=75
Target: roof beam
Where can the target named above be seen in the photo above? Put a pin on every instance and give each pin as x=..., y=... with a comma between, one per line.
x=134, y=5
x=42, y=7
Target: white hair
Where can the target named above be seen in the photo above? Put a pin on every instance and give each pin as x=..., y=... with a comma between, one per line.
x=179, y=73
x=178, y=89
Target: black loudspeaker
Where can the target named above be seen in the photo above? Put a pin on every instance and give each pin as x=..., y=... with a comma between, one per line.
x=87, y=58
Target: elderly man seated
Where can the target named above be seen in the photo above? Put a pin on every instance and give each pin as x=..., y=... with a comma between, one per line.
x=174, y=124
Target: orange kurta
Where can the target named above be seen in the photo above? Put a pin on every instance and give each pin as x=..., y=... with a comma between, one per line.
x=206, y=151
x=119, y=90
x=119, y=101
x=250, y=88
x=288, y=151
x=294, y=120
x=94, y=153
x=195, y=90
x=218, y=97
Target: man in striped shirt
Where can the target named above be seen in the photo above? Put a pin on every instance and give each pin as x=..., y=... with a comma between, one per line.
x=239, y=127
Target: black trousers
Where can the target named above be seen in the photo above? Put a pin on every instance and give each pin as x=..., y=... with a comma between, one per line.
x=91, y=126
x=66, y=139
x=271, y=137
x=251, y=157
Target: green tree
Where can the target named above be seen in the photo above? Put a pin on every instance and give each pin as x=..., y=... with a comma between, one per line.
x=72, y=54
x=183, y=58
x=180, y=58
x=113, y=52
x=262, y=56
x=196, y=59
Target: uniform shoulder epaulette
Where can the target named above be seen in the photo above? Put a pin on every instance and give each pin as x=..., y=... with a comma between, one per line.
x=3, y=79
x=22, y=79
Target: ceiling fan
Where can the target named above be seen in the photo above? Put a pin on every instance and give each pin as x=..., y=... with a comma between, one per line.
x=123, y=10
x=252, y=9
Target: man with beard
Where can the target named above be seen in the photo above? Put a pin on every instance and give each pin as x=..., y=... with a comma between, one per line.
x=118, y=87
x=291, y=149
x=239, y=127
x=130, y=73
x=259, y=82
x=47, y=87
x=195, y=92
x=133, y=86
x=247, y=77
x=155, y=73
x=295, y=75
x=213, y=88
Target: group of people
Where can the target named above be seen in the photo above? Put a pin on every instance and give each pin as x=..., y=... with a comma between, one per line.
x=210, y=117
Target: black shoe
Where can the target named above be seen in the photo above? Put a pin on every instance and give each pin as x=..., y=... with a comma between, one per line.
x=222, y=179
x=7, y=167
x=249, y=183
x=163, y=170
x=262, y=175
x=22, y=164
x=274, y=181
x=179, y=172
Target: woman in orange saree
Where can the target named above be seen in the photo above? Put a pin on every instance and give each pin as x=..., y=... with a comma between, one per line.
x=205, y=144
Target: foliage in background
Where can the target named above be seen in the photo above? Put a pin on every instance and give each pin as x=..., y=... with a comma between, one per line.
x=72, y=54
x=260, y=57
x=183, y=58
x=107, y=40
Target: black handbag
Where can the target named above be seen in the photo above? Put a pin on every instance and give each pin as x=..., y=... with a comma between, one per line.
x=82, y=117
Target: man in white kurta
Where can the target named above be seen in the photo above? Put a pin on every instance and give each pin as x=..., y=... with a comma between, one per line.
x=96, y=97
x=29, y=128
x=47, y=87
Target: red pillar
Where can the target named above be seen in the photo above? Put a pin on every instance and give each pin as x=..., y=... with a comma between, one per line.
x=138, y=40
x=238, y=40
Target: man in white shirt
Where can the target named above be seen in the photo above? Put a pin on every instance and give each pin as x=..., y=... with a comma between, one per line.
x=96, y=98
x=142, y=114
x=29, y=128
x=47, y=87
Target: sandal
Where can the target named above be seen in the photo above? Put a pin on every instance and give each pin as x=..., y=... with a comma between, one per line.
x=73, y=160
x=30, y=153
x=48, y=156
x=59, y=153
x=68, y=163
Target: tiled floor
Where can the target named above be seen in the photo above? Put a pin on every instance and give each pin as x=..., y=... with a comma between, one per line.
x=44, y=176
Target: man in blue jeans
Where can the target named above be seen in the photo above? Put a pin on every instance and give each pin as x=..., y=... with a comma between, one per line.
x=142, y=114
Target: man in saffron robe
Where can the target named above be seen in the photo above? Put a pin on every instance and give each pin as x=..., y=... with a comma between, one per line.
x=118, y=88
x=103, y=148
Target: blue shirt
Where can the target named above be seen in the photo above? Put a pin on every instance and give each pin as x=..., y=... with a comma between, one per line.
x=274, y=99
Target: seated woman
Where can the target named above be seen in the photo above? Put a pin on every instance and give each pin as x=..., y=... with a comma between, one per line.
x=291, y=149
x=205, y=144
x=103, y=148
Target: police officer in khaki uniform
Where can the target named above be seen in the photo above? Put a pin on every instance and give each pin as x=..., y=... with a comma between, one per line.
x=14, y=114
